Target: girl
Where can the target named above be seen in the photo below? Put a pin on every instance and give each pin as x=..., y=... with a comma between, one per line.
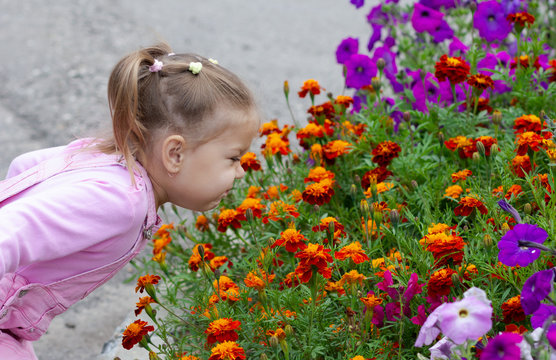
x=72, y=216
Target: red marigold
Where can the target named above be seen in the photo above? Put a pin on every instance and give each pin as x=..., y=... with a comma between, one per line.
x=527, y=123
x=384, y=152
x=446, y=248
x=528, y=140
x=195, y=259
x=325, y=225
x=313, y=256
x=251, y=203
x=552, y=70
x=319, y=173
x=482, y=105
x=440, y=283
x=279, y=210
x=524, y=61
x=375, y=176
x=145, y=281
x=202, y=223
x=512, y=310
x=514, y=190
x=249, y=161
x=290, y=280
x=310, y=86
x=521, y=165
x=269, y=128
x=229, y=217
x=461, y=175
x=520, y=19
x=465, y=146
x=218, y=261
x=322, y=110
x=352, y=251
x=134, y=333
x=467, y=204
x=143, y=302
x=454, y=69
x=221, y=330
x=481, y=81
x=292, y=239
x=344, y=100
x=335, y=148
x=312, y=129
x=228, y=350
x=318, y=193
x=258, y=279
x=276, y=143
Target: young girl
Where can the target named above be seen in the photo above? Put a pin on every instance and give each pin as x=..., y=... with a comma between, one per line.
x=72, y=216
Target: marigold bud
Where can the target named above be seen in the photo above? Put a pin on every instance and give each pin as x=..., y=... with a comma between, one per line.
x=364, y=206
x=376, y=83
x=394, y=217
x=249, y=215
x=496, y=117
x=271, y=241
x=542, y=114
x=407, y=116
x=494, y=148
x=201, y=251
x=377, y=216
x=505, y=228
x=455, y=278
x=331, y=227
x=527, y=208
x=316, y=208
x=414, y=184
x=263, y=357
x=286, y=88
x=487, y=240
x=357, y=179
x=473, y=6
x=289, y=330
x=153, y=356
x=274, y=342
x=380, y=64
x=441, y=137
x=217, y=273
x=480, y=147
x=476, y=156
x=353, y=189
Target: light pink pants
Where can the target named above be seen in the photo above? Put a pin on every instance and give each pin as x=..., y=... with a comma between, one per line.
x=13, y=349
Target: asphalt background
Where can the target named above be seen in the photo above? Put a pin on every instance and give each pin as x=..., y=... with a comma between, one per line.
x=56, y=57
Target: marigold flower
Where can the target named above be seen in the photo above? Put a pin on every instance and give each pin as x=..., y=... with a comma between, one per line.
x=453, y=191
x=335, y=286
x=202, y=223
x=276, y=143
x=318, y=193
x=512, y=310
x=164, y=231
x=221, y=330
x=487, y=141
x=521, y=165
x=325, y=226
x=552, y=70
x=352, y=251
x=319, y=173
x=352, y=277
x=481, y=81
x=189, y=357
x=461, y=175
x=251, y=203
x=292, y=240
x=279, y=210
x=291, y=280
x=269, y=128
x=375, y=176
x=143, y=302
x=335, y=148
x=160, y=243
x=229, y=217
x=343, y=100
x=465, y=146
x=322, y=110
x=314, y=255
x=514, y=190
x=524, y=61
x=371, y=301
x=440, y=283
x=455, y=69
x=528, y=140
x=467, y=204
x=195, y=259
x=446, y=248
x=355, y=129
x=520, y=19
x=385, y=152
x=228, y=350
x=249, y=161
x=217, y=262
x=134, y=333
x=253, y=191
x=145, y=281
x=311, y=86
x=258, y=279
x=481, y=105
x=380, y=188
x=312, y=129
x=527, y=123
x=439, y=227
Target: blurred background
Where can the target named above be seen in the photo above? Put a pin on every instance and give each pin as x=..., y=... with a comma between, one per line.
x=56, y=59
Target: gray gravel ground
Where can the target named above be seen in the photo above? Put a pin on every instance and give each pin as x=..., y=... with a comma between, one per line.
x=56, y=59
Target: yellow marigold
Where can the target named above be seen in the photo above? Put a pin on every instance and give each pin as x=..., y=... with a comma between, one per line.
x=352, y=277
x=202, y=223
x=380, y=188
x=296, y=195
x=551, y=155
x=258, y=280
x=319, y=173
x=335, y=148
x=344, y=100
x=453, y=191
x=253, y=191
x=316, y=153
x=269, y=127
x=311, y=130
x=352, y=251
x=228, y=350
x=432, y=238
x=251, y=203
x=160, y=243
x=275, y=143
x=438, y=227
x=318, y=193
x=159, y=257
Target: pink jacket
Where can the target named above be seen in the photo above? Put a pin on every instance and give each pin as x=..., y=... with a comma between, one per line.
x=69, y=220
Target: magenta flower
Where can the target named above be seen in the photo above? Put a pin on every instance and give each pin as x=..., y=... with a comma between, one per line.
x=517, y=246
x=551, y=336
x=437, y=4
x=542, y=314
x=503, y=347
x=357, y=3
x=386, y=285
x=425, y=18
x=375, y=36
x=467, y=319
x=442, y=32
x=421, y=316
x=457, y=45
x=491, y=21
x=510, y=209
x=430, y=329
x=536, y=289
x=348, y=47
x=360, y=69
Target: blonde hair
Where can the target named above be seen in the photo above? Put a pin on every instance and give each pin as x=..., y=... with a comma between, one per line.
x=172, y=99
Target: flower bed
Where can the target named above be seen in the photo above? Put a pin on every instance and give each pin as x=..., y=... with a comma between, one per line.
x=413, y=218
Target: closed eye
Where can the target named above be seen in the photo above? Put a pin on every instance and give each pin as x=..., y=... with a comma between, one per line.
x=235, y=159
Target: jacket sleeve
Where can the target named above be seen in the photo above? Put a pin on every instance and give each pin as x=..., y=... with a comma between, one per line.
x=62, y=220
x=30, y=159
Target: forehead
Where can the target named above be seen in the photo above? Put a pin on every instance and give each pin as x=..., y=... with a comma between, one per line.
x=228, y=120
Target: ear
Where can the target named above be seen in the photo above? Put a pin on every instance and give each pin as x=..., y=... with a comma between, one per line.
x=173, y=153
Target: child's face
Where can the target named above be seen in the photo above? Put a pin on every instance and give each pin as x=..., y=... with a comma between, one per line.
x=210, y=169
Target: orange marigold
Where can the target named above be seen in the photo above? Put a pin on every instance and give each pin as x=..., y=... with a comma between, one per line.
x=228, y=350
x=467, y=204
x=325, y=225
x=318, y=193
x=465, y=146
x=453, y=191
x=134, y=333
x=335, y=148
x=292, y=239
x=310, y=86
x=202, y=223
x=279, y=210
x=521, y=19
x=514, y=190
x=455, y=69
x=229, y=217
x=512, y=310
x=385, y=152
x=276, y=143
x=528, y=140
x=319, y=173
x=335, y=286
x=440, y=283
x=312, y=129
x=269, y=128
x=521, y=165
x=461, y=175
x=352, y=251
x=160, y=243
x=221, y=330
x=481, y=81
x=352, y=277
x=251, y=203
x=290, y=280
x=258, y=279
x=217, y=262
x=253, y=191
x=164, y=231
x=249, y=161
x=144, y=301
x=371, y=301
x=145, y=281
x=527, y=123
x=195, y=259
x=314, y=255
x=447, y=248
x=344, y=100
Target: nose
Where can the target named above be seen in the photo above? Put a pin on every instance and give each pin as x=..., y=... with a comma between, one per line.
x=240, y=173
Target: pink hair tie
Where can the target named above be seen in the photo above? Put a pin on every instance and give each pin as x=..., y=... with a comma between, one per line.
x=156, y=67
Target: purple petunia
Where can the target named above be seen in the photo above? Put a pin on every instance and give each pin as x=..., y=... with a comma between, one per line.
x=360, y=69
x=513, y=246
x=425, y=18
x=437, y=4
x=357, y=3
x=551, y=336
x=542, y=314
x=442, y=32
x=508, y=208
x=536, y=289
x=348, y=47
x=375, y=36
x=503, y=347
x=425, y=91
x=457, y=45
x=491, y=21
